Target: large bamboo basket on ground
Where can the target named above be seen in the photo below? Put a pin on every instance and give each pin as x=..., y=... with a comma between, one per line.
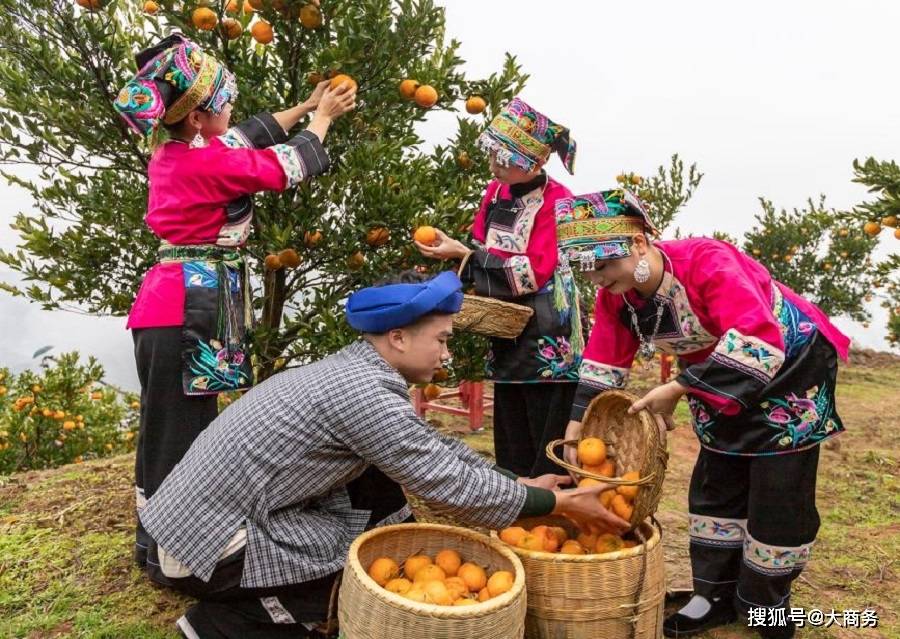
x=368, y=611
x=619, y=595
x=489, y=316
x=635, y=442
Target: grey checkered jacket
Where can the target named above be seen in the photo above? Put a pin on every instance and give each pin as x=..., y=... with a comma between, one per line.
x=277, y=462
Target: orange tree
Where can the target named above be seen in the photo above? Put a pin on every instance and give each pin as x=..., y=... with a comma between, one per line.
x=84, y=244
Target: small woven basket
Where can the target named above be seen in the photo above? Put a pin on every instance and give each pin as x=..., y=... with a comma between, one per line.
x=489, y=316
x=368, y=611
x=635, y=442
x=618, y=595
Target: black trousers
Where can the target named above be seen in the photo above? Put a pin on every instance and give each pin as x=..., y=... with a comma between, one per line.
x=170, y=420
x=753, y=521
x=526, y=418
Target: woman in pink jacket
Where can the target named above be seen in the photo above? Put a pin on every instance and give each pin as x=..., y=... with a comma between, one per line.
x=758, y=368
x=191, y=317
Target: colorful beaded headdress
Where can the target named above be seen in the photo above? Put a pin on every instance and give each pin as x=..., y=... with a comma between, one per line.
x=174, y=78
x=521, y=136
x=599, y=226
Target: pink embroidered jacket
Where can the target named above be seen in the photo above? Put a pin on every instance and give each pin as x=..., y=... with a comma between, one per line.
x=715, y=297
x=202, y=196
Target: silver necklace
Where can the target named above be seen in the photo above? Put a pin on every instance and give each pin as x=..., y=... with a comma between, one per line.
x=647, y=347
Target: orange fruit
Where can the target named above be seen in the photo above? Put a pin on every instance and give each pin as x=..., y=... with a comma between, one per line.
x=441, y=375
x=629, y=543
x=572, y=547
x=890, y=220
x=248, y=7
x=483, y=594
x=90, y=4
x=475, y=104
x=289, y=258
x=356, y=261
x=342, y=78
x=429, y=573
x=463, y=601
x=549, y=539
x=232, y=6
x=629, y=492
x=532, y=542
x=314, y=78
x=378, y=236
x=204, y=18
x=256, y=4
x=416, y=593
x=426, y=96
x=383, y=570
x=425, y=235
x=436, y=593
x=312, y=239
x=897, y=233
x=587, y=540
x=561, y=535
x=513, y=535
x=607, y=468
x=621, y=507
x=273, y=263
x=606, y=498
x=456, y=586
x=150, y=7
x=464, y=161
x=587, y=482
x=413, y=564
x=473, y=575
x=262, y=32
x=408, y=89
x=591, y=451
x=872, y=228
x=500, y=582
x=449, y=561
x=311, y=16
x=398, y=585
x=68, y=425
x=432, y=392
x=232, y=28
x=607, y=542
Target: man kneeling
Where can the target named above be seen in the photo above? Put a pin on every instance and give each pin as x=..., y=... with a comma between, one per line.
x=257, y=519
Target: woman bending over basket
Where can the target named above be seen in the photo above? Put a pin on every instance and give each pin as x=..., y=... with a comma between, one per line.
x=515, y=260
x=758, y=366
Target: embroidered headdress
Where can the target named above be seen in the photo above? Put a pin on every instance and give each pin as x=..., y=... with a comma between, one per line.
x=521, y=136
x=379, y=309
x=174, y=77
x=599, y=226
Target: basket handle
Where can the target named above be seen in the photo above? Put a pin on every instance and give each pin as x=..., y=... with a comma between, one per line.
x=463, y=262
x=551, y=454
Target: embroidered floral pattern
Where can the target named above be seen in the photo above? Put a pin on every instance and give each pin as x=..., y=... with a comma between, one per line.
x=749, y=355
x=798, y=421
x=233, y=138
x=602, y=376
x=558, y=358
x=520, y=275
x=515, y=240
x=291, y=163
x=796, y=328
x=719, y=530
x=775, y=559
x=690, y=336
x=703, y=422
x=235, y=234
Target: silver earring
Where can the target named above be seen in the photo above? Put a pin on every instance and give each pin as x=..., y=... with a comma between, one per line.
x=198, y=142
x=642, y=271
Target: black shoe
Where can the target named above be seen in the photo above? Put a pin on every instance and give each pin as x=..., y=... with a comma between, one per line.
x=140, y=557
x=720, y=613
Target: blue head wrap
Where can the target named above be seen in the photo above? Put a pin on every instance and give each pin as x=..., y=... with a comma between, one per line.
x=379, y=309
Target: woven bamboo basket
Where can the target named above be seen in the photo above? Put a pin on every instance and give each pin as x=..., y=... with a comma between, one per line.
x=368, y=611
x=635, y=442
x=619, y=595
x=489, y=316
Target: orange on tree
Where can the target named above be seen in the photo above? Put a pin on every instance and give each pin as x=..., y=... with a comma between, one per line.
x=636, y=179
x=342, y=78
x=232, y=7
x=408, y=89
x=248, y=7
x=378, y=236
x=872, y=228
x=464, y=161
x=449, y=561
x=432, y=392
x=90, y=4
x=897, y=233
x=473, y=575
x=890, y=220
x=383, y=570
x=256, y=4
x=204, y=18
x=232, y=28
x=413, y=564
x=273, y=263
x=356, y=261
x=426, y=96
x=591, y=451
x=430, y=573
x=262, y=32
x=475, y=104
x=312, y=238
x=425, y=235
x=314, y=77
x=311, y=16
x=500, y=582
x=150, y=7
x=289, y=258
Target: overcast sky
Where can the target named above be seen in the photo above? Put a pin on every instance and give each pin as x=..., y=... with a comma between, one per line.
x=770, y=99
